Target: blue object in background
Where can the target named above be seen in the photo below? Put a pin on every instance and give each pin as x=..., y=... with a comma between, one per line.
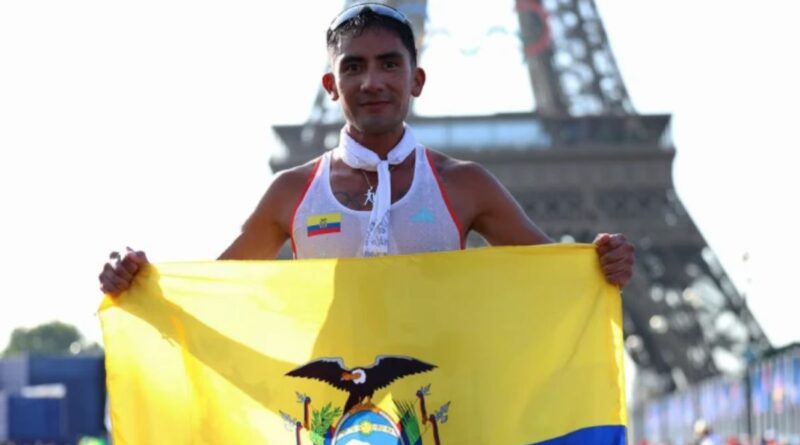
x=36, y=418
x=79, y=412
x=85, y=380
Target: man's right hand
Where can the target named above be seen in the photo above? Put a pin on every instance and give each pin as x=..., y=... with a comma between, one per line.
x=119, y=271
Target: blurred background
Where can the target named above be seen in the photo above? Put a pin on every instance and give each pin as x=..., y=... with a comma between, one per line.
x=158, y=125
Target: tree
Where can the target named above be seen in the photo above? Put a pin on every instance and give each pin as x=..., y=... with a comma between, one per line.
x=54, y=338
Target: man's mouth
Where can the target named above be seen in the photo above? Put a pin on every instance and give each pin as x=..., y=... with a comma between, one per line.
x=374, y=103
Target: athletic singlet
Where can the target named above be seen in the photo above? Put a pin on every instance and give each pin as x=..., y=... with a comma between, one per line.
x=420, y=221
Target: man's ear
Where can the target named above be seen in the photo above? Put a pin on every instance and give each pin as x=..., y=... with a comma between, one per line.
x=329, y=83
x=418, y=82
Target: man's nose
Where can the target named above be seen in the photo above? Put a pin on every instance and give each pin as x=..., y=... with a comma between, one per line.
x=372, y=81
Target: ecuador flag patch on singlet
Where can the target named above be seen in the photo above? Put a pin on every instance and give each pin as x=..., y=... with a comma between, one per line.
x=324, y=223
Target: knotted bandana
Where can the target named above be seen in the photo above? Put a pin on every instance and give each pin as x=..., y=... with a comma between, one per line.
x=355, y=155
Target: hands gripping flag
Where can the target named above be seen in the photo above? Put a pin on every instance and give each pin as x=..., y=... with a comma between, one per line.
x=514, y=345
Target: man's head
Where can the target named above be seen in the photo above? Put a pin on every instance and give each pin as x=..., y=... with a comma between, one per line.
x=373, y=68
x=354, y=20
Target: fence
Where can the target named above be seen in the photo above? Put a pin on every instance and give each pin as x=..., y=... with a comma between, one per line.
x=764, y=404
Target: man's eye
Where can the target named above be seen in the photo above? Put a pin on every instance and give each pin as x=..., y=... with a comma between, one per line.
x=351, y=67
x=390, y=65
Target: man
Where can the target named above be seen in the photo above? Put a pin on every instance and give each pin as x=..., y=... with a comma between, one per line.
x=380, y=192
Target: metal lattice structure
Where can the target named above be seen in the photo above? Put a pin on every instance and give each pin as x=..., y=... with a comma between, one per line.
x=584, y=162
x=570, y=63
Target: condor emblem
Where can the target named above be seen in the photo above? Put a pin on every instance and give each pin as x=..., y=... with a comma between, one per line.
x=359, y=421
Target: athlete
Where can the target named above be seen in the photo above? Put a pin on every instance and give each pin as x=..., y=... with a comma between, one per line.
x=380, y=192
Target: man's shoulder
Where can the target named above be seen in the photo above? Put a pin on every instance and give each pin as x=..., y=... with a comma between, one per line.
x=282, y=195
x=295, y=179
x=458, y=171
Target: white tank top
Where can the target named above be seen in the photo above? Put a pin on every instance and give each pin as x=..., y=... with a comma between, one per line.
x=420, y=221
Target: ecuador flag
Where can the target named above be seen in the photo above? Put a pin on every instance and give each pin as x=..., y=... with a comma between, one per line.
x=513, y=345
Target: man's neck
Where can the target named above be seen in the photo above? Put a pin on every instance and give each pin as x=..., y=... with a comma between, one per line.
x=380, y=143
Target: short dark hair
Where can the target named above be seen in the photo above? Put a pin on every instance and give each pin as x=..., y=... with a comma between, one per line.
x=368, y=19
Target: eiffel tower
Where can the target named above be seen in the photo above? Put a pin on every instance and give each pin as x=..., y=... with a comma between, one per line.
x=586, y=162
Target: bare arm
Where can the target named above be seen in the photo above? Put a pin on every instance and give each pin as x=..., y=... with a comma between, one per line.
x=484, y=205
x=265, y=231
x=501, y=220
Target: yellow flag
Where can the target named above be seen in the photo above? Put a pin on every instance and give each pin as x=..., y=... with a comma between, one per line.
x=514, y=345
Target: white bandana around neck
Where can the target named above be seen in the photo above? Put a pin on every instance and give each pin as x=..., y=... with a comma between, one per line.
x=355, y=155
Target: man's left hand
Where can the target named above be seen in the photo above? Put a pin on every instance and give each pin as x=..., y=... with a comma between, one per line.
x=616, y=257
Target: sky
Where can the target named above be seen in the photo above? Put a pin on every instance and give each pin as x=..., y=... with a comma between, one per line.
x=148, y=124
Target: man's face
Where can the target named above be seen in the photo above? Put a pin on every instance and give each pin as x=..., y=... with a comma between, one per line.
x=373, y=76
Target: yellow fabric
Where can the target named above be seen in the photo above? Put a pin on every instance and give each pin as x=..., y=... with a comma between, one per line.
x=324, y=219
x=527, y=342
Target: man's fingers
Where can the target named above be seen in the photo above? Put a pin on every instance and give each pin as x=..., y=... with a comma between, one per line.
x=127, y=267
x=114, y=278
x=616, y=250
x=108, y=269
x=619, y=279
x=618, y=273
x=603, y=243
x=136, y=256
x=123, y=269
x=606, y=242
x=616, y=257
x=618, y=267
x=110, y=286
x=106, y=289
x=118, y=273
x=105, y=285
x=619, y=254
x=601, y=239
